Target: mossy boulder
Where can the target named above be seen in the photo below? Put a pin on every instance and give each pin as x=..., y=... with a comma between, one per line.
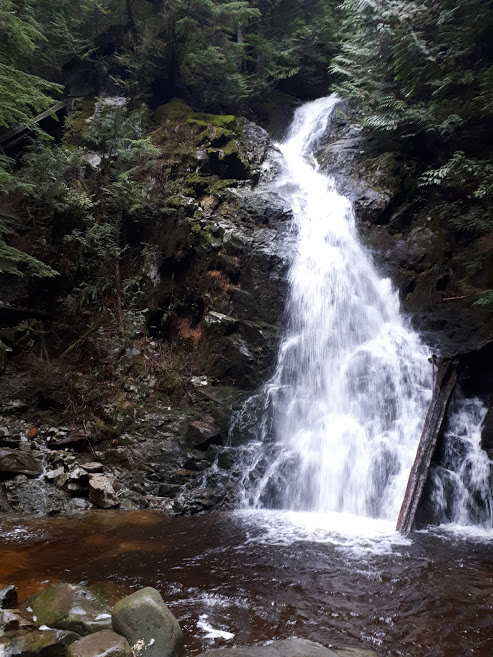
x=77, y=123
x=145, y=621
x=74, y=608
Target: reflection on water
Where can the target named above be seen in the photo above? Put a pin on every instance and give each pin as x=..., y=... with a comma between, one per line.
x=235, y=579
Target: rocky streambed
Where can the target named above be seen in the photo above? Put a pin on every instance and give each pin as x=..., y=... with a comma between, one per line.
x=243, y=579
x=79, y=621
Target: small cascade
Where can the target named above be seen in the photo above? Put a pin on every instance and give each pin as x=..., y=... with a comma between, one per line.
x=337, y=426
x=462, y=484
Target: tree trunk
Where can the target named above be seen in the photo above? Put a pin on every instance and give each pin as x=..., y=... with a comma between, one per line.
x=435, y=418
x=118, y=284
x=239, y=41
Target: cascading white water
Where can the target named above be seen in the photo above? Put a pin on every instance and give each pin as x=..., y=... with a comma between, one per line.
x=342, y=415
x=462, y=484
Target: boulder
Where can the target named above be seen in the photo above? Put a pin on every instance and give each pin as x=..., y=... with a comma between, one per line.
x=8, y=621
x=288, y=648
x=101, y=492
x=16, y=461
x=13, y=619
x=100, y=644
x=92, y=467
x=487, y=432
x=202, y=433
x=74, y=482
x=27, y=643
x=145, y=621
x=71, y=607
x=8, y=598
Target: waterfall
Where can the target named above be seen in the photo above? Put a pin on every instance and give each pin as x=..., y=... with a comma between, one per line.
x=337, y=427
x=341, y=417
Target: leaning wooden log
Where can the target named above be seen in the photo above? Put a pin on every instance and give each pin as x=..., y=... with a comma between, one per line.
x=434, y=422
x=19, y=131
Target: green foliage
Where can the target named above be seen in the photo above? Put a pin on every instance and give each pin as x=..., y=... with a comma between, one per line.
x=16, y=262
x=467, y=183
x=89, y=193
x=226, y=53
x=417, y=66
x=24, y=94
x=486, y=299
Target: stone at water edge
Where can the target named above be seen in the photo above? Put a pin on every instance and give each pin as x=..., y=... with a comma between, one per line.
x=8, y=621
x=147, y=624
x=101, y=492
x=12, y=619
x=100, y=644
x=8, y=598
x=79, y=609
x=26, y=643
x=289, y=648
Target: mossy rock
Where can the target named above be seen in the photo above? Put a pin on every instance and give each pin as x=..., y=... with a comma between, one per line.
x=76, y=123
x=175, y=110
x=171, y=384
x=230, y=161
x=80, y=609
x=217, y=120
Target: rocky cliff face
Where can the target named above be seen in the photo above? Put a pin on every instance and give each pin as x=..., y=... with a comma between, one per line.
x=214, y=289
x=427, y=260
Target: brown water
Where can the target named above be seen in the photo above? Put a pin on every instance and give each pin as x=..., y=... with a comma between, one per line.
x=260, y=577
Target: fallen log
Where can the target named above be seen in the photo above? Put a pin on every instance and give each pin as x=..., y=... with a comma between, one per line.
x=435, y=418
x=19, y=131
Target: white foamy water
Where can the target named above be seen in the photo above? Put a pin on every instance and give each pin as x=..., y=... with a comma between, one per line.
x=343, y=413
x=210, y=632
x=461, y=485
x=359, y=536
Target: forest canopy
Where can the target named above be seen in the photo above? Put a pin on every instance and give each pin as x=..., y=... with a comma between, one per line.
x=420, y=71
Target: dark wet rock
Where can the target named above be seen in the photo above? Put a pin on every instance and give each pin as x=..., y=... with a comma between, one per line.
x=92, y=467
x=8, y=621
x=143, y=619
x=201, y=499
x=487, y=433
x=75, y=482
x=101, y=492
x=8, y=598
x=100, y=644
x=289, y=648
x=256, y=142
x=34, y=497
x=225, y=458
x=36, y=643
x=71, y=607
x=52, y=475
x=203, y=432
x=19, y=461
x=218, y=324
